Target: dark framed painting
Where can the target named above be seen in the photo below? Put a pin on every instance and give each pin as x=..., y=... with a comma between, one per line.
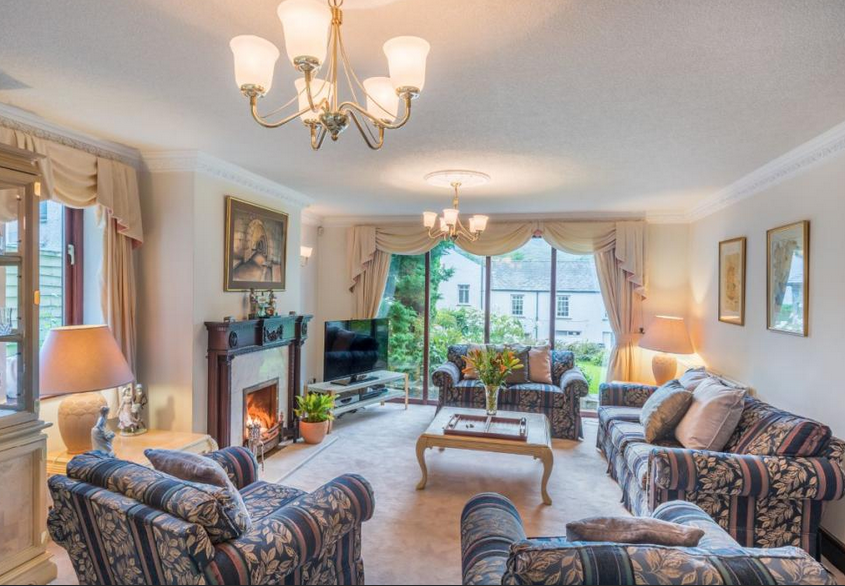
x=788, y=278
x=256, y=247
x=732, y=269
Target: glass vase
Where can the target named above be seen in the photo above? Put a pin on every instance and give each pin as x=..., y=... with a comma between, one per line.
x=491, y=395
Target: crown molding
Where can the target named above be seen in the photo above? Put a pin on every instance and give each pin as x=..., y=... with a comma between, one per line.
x=200, y=162
x=18, y=119
x=346, y=221
x=311, y=219
x=799, y=160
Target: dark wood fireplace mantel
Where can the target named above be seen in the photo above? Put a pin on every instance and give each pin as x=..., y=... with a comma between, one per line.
x=227, y=340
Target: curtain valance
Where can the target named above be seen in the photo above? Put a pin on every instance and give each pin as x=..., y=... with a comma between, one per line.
x=78, y=179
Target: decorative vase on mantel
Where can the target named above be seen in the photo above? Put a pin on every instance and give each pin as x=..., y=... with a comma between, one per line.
x=491, y=399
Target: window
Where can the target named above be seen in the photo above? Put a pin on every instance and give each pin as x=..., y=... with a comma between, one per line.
x=563, y=306
x=463, y=294
x=568, y=334
x=518, y=305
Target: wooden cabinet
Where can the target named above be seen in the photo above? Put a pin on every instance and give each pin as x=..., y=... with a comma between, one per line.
x=23, y=444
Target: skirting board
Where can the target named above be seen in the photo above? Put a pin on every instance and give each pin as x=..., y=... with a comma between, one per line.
x=833, y=550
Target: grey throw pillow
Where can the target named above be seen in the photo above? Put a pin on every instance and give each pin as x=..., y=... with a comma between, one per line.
x=636, y=530
x=520, y=376
x=198, y=469
x=664, y=410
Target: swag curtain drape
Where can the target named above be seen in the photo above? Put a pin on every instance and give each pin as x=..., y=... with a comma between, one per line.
x=79, y=179
x=618, y=247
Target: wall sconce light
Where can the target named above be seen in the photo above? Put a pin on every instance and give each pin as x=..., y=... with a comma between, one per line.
x=305, y=254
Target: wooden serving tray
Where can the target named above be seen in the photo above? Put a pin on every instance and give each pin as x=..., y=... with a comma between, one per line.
x=506, y=428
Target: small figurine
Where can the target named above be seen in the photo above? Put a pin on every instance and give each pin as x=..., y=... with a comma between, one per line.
x=253, y=305
x=101, y=436
x=271, y=306
x=130, y=419
x=254, y=442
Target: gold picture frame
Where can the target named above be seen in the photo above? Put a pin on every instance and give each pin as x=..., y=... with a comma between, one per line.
x=732, y=274
x=256, y=247
x=788, y=279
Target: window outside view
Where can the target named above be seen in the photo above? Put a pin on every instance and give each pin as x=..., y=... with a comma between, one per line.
x=520, y=307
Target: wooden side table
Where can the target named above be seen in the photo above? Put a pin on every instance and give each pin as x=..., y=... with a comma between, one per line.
x=132, y=447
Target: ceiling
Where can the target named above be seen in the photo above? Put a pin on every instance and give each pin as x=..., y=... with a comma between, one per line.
x=570, y=105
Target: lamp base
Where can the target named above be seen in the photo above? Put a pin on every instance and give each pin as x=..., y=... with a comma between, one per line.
x=77, y=415
x=664, y=367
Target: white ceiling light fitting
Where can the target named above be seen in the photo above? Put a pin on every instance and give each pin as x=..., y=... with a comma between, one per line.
x=313, y=34
x=449, y=225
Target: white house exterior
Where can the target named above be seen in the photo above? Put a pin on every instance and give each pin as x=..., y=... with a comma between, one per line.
x=520, y=288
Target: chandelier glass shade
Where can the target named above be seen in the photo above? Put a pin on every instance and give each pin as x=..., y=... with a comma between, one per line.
x=314, y=44
x=449, y=226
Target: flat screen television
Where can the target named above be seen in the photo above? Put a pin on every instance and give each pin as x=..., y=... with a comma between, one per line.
x=354, y=347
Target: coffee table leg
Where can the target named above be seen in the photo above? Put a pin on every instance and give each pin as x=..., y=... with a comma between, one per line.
x=548, y=463
x=422, y=445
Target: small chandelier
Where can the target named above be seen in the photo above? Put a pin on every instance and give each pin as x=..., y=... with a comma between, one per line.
x=312, y=29
x=449, y=225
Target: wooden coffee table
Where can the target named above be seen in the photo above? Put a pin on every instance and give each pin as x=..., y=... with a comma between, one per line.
x=539, y=444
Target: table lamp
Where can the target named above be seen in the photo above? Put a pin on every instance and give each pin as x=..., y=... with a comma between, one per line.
x=74, y=362
x=668, y=336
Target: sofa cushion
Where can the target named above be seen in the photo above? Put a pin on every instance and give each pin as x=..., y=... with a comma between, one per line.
x=693, y=377
x=624, y=433
x=764, y=430
x=664, y=409
x=712, y=417
x=210, y=507
x=610, y=413
x=520, y=375
x=264, y=498
x=637, y=456
x=633, y=530
x=540, y=365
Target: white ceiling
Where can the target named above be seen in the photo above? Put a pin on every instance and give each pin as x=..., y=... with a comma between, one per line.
x=570, y=105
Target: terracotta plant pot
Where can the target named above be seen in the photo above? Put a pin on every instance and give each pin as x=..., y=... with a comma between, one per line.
x=313, y=433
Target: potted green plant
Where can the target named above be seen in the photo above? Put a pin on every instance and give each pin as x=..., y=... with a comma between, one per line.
x=315, y=413
x=492, y=368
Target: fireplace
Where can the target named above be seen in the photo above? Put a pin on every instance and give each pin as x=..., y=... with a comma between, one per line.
x=261, y=406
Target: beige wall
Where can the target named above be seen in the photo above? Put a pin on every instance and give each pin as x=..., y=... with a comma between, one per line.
x=797, y=374
x=308, y=289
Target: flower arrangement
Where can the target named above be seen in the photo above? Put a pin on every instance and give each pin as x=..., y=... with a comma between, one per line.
x=492, y=368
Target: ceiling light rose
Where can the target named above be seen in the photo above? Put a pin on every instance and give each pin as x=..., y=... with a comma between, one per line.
x=313, y=41
x=450, y=226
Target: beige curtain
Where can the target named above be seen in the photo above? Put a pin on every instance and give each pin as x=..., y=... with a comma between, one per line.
x=79, y=179
x=580, y=237
x=369, y=268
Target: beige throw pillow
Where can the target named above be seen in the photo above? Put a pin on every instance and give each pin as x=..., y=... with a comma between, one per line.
x=664, y=409
x=540, y=364
x=712, y=417
x=195, y=468
x=637, y=530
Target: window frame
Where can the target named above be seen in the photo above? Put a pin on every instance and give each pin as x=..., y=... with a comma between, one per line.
x=463, y=294
x=73, y=284
x=520, y=299
x=567, y=300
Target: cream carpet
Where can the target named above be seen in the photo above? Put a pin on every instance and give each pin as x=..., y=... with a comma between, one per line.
x=414, y=536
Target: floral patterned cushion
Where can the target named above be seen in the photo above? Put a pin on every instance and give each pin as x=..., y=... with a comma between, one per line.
x=211, y=507
x=765, y=430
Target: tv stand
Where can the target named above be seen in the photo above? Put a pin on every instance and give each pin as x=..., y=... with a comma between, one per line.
x=355, y=378
x=370, y=390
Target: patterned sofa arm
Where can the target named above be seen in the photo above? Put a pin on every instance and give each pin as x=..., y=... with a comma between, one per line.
x=819, y=479
x=574, y=381
x=624, y=394
x=446, y=376
x=296, y=534
x=239, y=463
x=490, y=524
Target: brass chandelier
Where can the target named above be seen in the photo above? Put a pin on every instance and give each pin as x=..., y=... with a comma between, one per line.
x=449, y=226
x=312, y=29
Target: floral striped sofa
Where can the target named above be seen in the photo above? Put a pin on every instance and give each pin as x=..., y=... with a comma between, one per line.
x=767, y=488
x=560, y=401
x=494, y=550
x=122, y=523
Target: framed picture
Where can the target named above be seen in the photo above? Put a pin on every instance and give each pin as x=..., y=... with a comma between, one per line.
x=256, y=247
x=732, y=281
x=788, y=278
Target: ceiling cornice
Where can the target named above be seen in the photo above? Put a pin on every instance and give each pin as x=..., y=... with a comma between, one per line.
x=797, y=161
x=200, y=162
x=17, y=119
x=311, y=219
x=342, y=221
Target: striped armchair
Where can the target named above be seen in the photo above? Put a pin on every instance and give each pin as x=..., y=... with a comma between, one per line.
x=559, y=401
x=495, y=550
x=767, y=488
x=122, y=523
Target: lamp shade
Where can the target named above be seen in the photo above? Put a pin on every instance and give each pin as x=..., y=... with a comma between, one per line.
x=306, y=25
x=406, y=57
x=80, y=359
x=382, y=101
x=669, y=335
x=255, y=59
